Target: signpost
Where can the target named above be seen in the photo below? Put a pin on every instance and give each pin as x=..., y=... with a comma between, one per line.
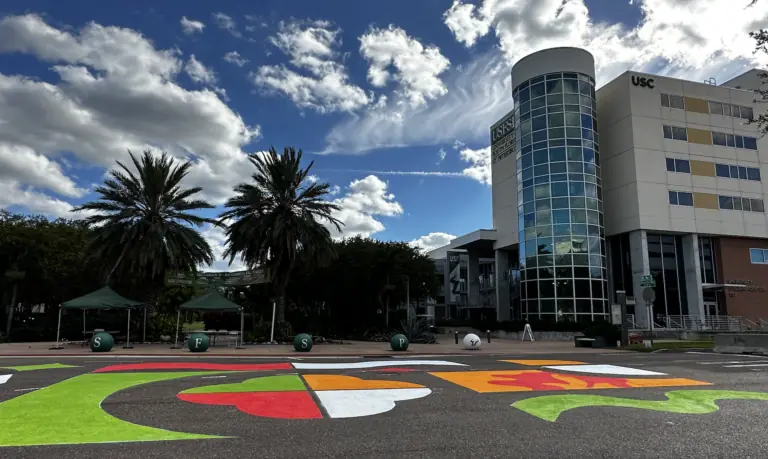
x=621, y=297
x=219, y=279
x=649, y=295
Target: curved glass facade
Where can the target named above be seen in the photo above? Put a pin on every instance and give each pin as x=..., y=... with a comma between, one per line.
x=563, y=274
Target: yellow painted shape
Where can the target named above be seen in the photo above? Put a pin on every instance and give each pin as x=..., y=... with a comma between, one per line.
x=703, y=168
x=699, y=136
x=541, y=363
x=696, y=105
x=705, y=201
x=478, y=381
x=536, y=380
x=667, y=382
x=337, y=382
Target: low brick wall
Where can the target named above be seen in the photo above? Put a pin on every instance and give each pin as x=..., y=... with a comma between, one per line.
x=741, y=343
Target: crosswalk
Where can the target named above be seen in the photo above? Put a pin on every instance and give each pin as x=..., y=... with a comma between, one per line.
x=746, y=364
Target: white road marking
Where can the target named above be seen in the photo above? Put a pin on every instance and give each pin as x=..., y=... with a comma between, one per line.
x=374, y=364
x=356, y=403
x=726, y=363
x=4, y=378
x=605, y=370
x=747, y=365
x=27, y=389
x=213, y=377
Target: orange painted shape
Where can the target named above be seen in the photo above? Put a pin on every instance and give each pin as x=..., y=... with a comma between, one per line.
x=541, y=363
x=337, y=382
x=535, y=380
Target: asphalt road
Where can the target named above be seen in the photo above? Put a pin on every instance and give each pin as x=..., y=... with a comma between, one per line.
x=452, y=421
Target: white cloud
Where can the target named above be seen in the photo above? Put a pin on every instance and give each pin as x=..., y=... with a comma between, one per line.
x=111, y=90
x=217, y=239
x=199, y=72
x=365, y=200
x=464, y=23
x=686, y=39
x=415, y=67
x=442, y=154
x=478, y=95
x=14, y=193
x=21, y=163
x=319, y=81
x=233, y=57
x=432, y=241
x=225, y=22
x=190, y=26
x=480, y=164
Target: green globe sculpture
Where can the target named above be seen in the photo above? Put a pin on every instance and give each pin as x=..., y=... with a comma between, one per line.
x=102, y=342
x=198, y=342
x=302, y=342
x=399, y=343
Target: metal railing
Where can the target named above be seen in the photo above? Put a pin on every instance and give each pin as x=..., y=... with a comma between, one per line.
x=707, y=323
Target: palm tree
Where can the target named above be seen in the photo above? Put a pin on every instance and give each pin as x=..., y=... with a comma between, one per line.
x=275, y=221
x=142, y=225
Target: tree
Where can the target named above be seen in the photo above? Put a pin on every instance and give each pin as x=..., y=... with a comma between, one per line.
x=142, y=224
x=275, y=221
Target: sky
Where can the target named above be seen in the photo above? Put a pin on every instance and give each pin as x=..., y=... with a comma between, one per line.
x=392, y=100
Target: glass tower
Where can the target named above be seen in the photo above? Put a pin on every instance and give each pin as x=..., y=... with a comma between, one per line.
x=563, y=270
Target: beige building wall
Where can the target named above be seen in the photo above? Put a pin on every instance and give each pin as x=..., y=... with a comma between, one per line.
x=633, y=149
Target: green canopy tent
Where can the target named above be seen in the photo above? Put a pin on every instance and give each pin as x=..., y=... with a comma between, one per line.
x=211, y=301
x=103, y=298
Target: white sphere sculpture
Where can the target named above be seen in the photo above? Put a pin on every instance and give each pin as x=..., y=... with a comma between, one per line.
x=472, y=342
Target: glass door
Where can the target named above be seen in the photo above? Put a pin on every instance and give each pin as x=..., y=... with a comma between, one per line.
x=711, y=310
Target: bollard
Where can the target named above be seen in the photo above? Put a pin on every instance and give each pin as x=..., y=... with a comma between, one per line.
x=456, y=337
x=488, y=336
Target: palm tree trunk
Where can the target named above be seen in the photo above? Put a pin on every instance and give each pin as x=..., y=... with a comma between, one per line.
x=280, y=313
x=117, y=263
x=10, y=310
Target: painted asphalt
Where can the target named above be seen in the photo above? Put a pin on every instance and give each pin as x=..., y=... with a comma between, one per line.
x=452, y=421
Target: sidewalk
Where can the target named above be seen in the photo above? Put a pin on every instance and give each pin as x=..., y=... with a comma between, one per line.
x=349, y=348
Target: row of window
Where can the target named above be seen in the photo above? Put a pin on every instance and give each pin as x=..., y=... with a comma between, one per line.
x=739, y=203
x=718, y=138
x=721, y=170
x=684, y=198
x=715, y=108
x=737, y=141
x=737, y=172
x=758, y=256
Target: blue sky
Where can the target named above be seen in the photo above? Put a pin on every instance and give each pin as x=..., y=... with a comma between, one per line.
x=392, y=100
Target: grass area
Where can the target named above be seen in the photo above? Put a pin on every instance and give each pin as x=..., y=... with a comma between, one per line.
x=672, y=345
x=189, y=326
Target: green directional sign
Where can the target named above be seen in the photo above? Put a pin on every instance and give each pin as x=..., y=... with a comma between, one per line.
x=647, y=281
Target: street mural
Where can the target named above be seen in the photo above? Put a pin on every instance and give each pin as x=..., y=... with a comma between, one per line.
x=287, y=397
x=550, y=407
x=70, y=411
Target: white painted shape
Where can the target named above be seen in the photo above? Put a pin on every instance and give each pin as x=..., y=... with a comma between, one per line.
x=605, y=370
x=4, y=378
x=374, y=364
x=357, y=403
x=747, y=365
x=472, y=342
x=726, y=363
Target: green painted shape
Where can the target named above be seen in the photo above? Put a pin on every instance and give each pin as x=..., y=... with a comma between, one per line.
x=550, y=407
x=69, y=412
x=281, y=383
x=45, y=366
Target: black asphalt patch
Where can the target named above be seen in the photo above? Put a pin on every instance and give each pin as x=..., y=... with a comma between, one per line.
x=451, y=422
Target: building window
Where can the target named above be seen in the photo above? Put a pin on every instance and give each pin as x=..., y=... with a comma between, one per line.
x=737, y=141
x=758, y=256
x=753, y=173
x=680, y=198
x=715, y=108
x=722, y=170
x=736, y=111
x=672, y=101
x=678, y=165
x=739, y=203
x=675, y=133
x=707, y=260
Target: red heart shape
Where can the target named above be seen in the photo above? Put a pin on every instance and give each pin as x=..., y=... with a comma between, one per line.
x=277, y=405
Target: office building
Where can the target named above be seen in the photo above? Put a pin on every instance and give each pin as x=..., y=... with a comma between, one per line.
x=595, y=191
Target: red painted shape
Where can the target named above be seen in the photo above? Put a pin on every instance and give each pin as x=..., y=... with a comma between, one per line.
x=277, y=405
x=196, y=366
x=541, y=380
x=391, y=370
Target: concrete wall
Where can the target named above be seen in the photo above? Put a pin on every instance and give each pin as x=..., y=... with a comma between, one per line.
x=741, y=343
x=636, y=182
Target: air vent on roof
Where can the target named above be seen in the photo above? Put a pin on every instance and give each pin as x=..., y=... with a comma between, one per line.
x=711, y=81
